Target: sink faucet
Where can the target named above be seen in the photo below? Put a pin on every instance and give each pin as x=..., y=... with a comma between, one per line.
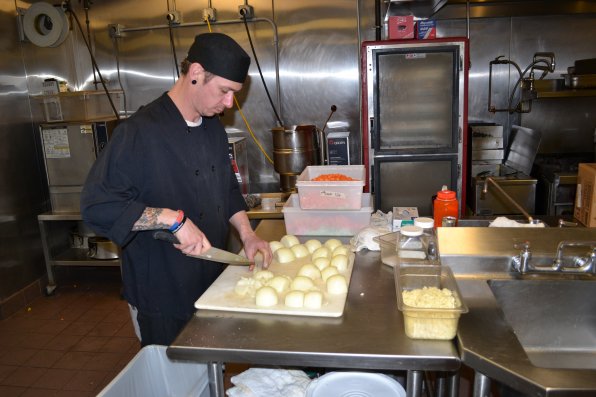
x=508, y=197
x=581, y=264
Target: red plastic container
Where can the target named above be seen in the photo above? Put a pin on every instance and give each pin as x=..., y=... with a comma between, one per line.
x=445, y=205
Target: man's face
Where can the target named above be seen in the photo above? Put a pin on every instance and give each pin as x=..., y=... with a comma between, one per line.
x=216, y=95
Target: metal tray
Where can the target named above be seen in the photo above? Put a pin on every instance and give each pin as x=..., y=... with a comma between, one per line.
x=580, y=80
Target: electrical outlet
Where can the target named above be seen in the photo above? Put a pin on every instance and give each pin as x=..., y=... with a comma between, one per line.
x=246, y=11
x=209, y=13
x=174, y=17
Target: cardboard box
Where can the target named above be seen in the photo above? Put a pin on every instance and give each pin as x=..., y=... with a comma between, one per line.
x=402, y=216
x=426, y=29
x=401, y=27
x=585, y=197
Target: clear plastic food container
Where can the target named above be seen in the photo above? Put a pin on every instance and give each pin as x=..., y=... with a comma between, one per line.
x=390, y=251
x=325, y=222
x=428, y=322
x=331, y=195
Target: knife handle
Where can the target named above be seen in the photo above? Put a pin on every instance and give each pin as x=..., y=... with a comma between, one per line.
x=165, y=235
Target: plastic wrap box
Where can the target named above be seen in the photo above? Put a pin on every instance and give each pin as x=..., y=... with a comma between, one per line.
x=152, y=374
x=325, y=223
x=331, y=195
x=428, y=322
x=585, y=196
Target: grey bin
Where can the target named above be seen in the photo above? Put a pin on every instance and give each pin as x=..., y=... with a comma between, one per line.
x=152, y=374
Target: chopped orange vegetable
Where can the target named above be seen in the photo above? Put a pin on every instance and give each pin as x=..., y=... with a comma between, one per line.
x=333, y=178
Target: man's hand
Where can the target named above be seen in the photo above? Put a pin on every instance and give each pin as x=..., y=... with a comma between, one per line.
x=192, y=240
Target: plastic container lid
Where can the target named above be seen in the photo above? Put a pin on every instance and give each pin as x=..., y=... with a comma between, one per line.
x=446, y=195
x=411, y=231
x=425, y=223
x=338, y=384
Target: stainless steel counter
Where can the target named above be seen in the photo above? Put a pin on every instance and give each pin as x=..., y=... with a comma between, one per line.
x=487, y=342
x=370, y=334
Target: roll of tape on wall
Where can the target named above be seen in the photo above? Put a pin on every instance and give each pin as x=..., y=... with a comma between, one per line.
x=45, y=25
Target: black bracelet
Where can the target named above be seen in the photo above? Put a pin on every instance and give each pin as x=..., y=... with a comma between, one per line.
x=179, y=225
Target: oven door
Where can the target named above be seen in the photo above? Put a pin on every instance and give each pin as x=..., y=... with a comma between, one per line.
x=412, y=181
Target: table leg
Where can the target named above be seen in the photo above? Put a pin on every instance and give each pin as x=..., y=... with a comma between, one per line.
x=453, y=385
x=216, y=379
x=481, y=385
x=46, y=255
x=414, y=384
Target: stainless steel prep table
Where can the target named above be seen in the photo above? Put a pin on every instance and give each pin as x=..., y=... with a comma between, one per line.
x=369, y=335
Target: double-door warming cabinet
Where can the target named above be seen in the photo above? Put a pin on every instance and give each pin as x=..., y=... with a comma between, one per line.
x=414, y=108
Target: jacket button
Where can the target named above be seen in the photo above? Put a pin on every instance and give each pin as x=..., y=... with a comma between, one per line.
x=212, y=168
x=201, y=216
x=197, y=172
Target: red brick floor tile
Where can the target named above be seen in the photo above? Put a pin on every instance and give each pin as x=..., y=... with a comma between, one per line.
x=117, y=344
x=79, y=328
x=85, y=380
x=54, y=378
x=105, y=329
x=23, y=376
x=73, y=360
x=44, y=358
x=90, y=344
x=16, y=356
x=11, y=391
x=34, y=340
x=62, y=342
x=6, y=370
x=103, y=361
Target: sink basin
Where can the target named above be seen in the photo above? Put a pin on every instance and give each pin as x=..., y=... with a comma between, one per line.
x=554, y=320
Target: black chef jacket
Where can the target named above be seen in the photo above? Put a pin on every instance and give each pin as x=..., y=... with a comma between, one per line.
x=155, y=160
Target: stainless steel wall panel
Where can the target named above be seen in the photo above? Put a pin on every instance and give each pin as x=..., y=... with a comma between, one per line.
x=22, y=194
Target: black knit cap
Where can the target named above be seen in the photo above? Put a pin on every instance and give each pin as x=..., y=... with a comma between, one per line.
x=220, y=55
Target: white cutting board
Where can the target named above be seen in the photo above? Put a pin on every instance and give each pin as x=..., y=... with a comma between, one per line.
x=221, y=295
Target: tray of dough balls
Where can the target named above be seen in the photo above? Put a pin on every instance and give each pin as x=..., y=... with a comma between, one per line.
x=304, y=279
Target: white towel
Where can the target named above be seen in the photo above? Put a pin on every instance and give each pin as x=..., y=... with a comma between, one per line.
x=265, y=382
x=502, y=221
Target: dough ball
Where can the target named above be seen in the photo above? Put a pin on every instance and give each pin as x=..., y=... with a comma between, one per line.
x=263, y=275
x=289, y=240
x=266, y=297
x=312, y=245
x=302, y=283
x=340, y=262
x=300, y=251
x=295, y=299
x=247, y=286
x=336, y=284
x=328, y=272
x=321, y=263
x=313, y=299
x=332, y=244
x=309, y=270
x=322, y=252
x=341, y=250
x=284, y=255
x=275, y=245
x=280, y=283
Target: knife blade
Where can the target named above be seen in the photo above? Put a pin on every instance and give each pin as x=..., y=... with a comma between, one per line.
x=212, y=254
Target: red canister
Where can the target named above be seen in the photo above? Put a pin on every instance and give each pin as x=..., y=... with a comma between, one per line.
x=445, y=205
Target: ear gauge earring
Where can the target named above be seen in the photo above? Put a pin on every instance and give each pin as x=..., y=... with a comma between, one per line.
x=193, y=82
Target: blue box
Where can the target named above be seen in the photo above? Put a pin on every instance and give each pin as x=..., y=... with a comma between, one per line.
x=427, y=29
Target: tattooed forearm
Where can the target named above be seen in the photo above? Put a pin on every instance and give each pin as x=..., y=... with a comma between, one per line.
x=149, y=220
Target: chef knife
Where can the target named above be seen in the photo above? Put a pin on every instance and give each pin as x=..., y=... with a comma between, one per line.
x=212, y=254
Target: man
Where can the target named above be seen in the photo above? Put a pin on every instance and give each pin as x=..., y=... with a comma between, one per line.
x=167, y=167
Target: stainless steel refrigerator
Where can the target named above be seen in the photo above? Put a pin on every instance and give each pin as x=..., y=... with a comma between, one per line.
x=414, y=120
